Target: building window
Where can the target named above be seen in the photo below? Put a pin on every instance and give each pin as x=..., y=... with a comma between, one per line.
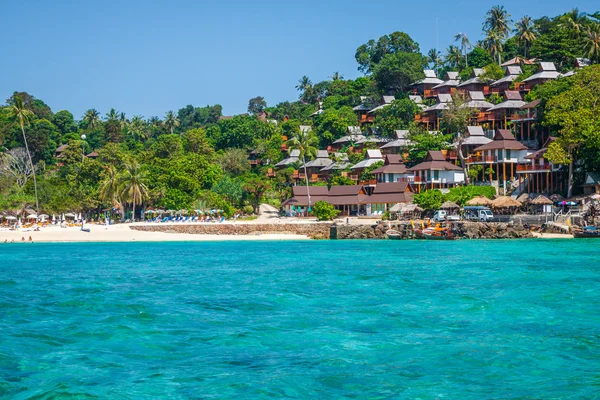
x=500, y=155
x=507, y=153
x=436, y=175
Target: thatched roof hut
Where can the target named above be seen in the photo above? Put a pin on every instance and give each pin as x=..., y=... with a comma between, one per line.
x=448, y=205
x=505, y=202
x=479, y=201
x=542, y=200
x=405, y=208
x=556, y=197
x=524, y=198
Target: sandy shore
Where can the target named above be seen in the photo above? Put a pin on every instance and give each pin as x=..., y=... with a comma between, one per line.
x=123, y=233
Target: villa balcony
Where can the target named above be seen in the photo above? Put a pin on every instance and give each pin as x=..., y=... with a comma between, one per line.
x=481, y=159
x=429, y=93
x=255, y=162
x=369, y=182
x=419, y=179
x=524, y=168
x=366, y=118
x=483, y=117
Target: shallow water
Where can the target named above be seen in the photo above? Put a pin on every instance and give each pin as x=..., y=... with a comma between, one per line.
x=318, y=319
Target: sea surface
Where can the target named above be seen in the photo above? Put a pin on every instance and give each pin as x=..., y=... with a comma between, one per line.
x=305, y=320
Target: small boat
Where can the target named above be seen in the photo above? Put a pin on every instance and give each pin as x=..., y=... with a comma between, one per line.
x=394, y=235
x=439, y=234
x=587, y=233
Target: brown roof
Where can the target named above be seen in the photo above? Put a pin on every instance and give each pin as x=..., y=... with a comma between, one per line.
x=314, y=191
x=62, y=148
x=503, y=139
x=533, y=104
x=303, y=200
x=435, y=160
x=393, y=192
x=512, y=95
x=392, y=164
x=346, y=190
x=391, y=187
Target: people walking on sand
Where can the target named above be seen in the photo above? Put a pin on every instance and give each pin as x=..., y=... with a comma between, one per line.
x=30, y=239
x=22, y=238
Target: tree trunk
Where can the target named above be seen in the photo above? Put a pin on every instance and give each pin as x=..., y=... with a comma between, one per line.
x=37, y=205
x=306, y=179
x=570, y=184
x=133, y=211
x=463, y=163
x=122, y=211
x=499, y=59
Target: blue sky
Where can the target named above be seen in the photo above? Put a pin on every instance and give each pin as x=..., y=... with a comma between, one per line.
x=148, y=57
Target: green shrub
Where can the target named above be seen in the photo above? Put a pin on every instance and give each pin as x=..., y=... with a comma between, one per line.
x=324, y=211
x=248, y=210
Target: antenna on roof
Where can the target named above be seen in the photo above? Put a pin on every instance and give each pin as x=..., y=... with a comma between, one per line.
x=437, y=42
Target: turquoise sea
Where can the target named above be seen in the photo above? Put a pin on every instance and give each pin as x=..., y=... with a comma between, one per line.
x=303, y=320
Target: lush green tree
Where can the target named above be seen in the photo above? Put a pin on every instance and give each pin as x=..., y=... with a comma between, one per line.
x=196, y=141
x=109, y=191
x=325, y=211
x=256, y=186
x=133, y=185
x=423, y=141
x=234, y=161
x=429, y=200
x=171, y=121
x=525, y=33
x=453, y=57
x=370, y=54
x=462, y=194
x=91, y=119
x=257, y=105
x=457, y=118
x=479, y=58
x=491, y=72
x=398, y=115
x=36, y=106
x=397, y=71
x=231, y=189
x=332, y=124
x=63, y=120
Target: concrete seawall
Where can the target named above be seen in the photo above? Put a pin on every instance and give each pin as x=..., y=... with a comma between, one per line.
x=313, y=230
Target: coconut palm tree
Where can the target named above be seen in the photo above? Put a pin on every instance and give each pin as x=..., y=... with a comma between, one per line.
x=132, y=185
x=434, y=57
x=592, y=44
x=493, y=44
x=574, y=20
x=453, y=56
x=497, y=20
x=171, y=121
x=91, y=118
x=465, y=45
x=525, y=32
x=305, y=141
x=304, y=84
x=112, y=115
x=18, y=113
x=336, y=76
x=137, y=128
x=109, y=189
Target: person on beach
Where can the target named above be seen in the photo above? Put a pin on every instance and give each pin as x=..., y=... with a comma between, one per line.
x=22, y=238
x=30, y=239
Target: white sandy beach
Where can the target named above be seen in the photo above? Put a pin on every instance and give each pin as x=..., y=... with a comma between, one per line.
x=123, y=233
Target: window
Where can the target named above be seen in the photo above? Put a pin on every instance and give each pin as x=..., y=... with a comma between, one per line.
x=428, y=175
x=507, y=153
x=436, y=174
x=500, y=154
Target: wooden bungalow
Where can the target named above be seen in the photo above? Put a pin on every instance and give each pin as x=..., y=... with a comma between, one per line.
x=93, y=155
x=362, y=111
x=399, y=145
x=393, y=170
x=253, y=158
x=540, y=175
x=354, y=134
x=504, y=153
x=474, y=137
x=436, y=172
x=524, y=120
x=348, y=199
x=503, y=84
x=546, y=72
x=418, y=100
x=591, y=184
x=59, y=150
x=340, y=163
x=517, y=62
x=446, y=87
x=431, y=116
x=500, y=114
x=424, y=86
x=385, y=101
x=293, y=158
x=476, y=101
x=314, y=167
x=373, y=156
x=303, y=197
x=473, y=84
x=386, y=195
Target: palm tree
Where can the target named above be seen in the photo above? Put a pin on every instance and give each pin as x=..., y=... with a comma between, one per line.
x=592, y=43
x=171, y=121
x=304, y=140
x=304, y=84
x=525, y=32
x=132, y=185
x=137, y=128
x=122, y=120
x=434, y=57
x=336, y=76
x=493, y=44
x=453, y=56
x=91, y=118
x=497, y=20
x=574, y=20
x=465, y=45
x=109, y=189
x=18, y=112
x=112, y=115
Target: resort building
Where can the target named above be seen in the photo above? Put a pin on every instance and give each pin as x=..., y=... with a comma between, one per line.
x=446, y=87
x=500, y=114
x=539, y=175
x=393, y=170
x=591, y=184
x=424, y=86
x=340, y=163
x=354, y=134
x=303, y=197
x=314, y=167
x=502, y=85
x=386, y=101
x=473, y=84
x=385, y=196
x=399, y=145
x=293, y=158
x=373, y=156
x=546, y=72
x=348, y=199
x=474, y=137
x=436, y=173
x=362, y=111
x=431, y=116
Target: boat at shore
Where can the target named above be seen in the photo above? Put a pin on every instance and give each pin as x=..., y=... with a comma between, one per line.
x=438, y=234
x=587, y=232
x=393, y=234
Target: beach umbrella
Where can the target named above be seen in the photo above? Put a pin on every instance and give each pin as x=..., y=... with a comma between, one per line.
x=149, y=212
x=524, y=198
x=542, y=200
x=11, y=218
x=449, y=205
x=571, y=203
x=479, y=201
x=32, y=216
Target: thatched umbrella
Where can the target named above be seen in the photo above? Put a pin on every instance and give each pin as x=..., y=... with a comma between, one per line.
x=448, y=205
x=479, y=201
x=556, y=198
x=505, y=202
x=542, y=201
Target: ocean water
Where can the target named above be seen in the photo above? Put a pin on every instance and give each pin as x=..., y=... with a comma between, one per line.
x=302, y=320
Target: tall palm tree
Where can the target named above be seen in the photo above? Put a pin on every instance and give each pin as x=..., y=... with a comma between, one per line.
x=465, y=45
x=304, y=140
x=434, y=57
x=525, y=32
x=592, y=44
x=109, y=189
x=453, y=56
x=92, y=118
x=171, y=121
x=336, y=76
x=137, y=128
x=112, y=115
x=132, y=186
x=574, y=20
x=304, y=84
x=17, y=112
x=122, y=120
x=498, y=20
x=493, y=44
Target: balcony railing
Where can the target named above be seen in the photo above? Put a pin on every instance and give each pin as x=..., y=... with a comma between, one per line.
x=270, y=172
x=369, y=182
x=482, y=159
x=429, y=93
x=254, y=162
x=529, y=167
x=483, y=117
x=314, y=178
x=523, y=116
x=418, y=179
